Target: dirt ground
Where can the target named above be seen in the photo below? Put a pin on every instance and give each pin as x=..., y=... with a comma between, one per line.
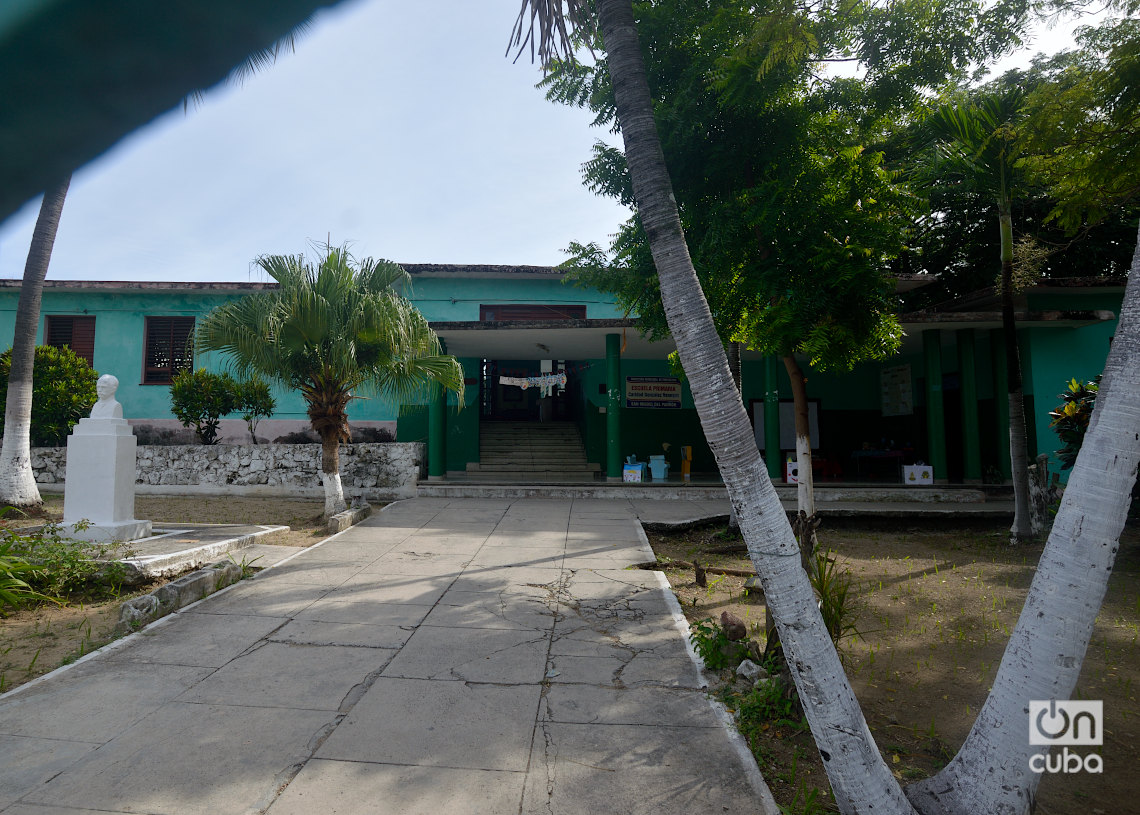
x=935, y=609
x=37, y=640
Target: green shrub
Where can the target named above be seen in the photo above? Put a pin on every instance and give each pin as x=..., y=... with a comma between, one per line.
x=1071, y=418
x=712, y=645
x=254, y=402
x=15, y=571
x=57, y=566
x=63, y=391
x=836, y=604
x=200, y=399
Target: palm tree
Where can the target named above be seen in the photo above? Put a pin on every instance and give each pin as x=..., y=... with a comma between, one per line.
x=979, y=139
x=328, y=331
x=17, y=481
x=990, y=773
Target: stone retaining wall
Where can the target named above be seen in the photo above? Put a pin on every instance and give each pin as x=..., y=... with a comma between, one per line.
x=369, y=471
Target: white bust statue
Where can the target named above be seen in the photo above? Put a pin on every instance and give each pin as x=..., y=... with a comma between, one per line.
x=107, y=407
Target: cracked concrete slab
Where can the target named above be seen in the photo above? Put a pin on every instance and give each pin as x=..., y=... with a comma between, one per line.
x=381, y=588
x=353, y=786
x=586, y=704
x=93, y=701
x=262, y=597
x=439, y=724
x=418, y=663
x=187, y=759
x=30, y=762
x=584, y=769
x=492, y=610
x=290, y=675
x=352, y=610
x=472, y=655
x=358, y=635
x=207, y=640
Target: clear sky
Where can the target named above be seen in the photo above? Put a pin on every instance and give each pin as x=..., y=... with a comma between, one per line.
x=398, y=127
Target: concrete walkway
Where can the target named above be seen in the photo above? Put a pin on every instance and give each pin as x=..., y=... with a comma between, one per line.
x=445, y=656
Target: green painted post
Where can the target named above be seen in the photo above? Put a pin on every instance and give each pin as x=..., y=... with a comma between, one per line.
x=971, y=439
x=437, y=434
x=772, y=418
x=1001, y=401
x=615, y=388
x=935, y=411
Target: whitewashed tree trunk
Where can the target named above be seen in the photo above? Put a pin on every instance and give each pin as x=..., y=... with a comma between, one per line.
x=856, y=769
x=17, y=481
x=1022, y=529
x=1043, y=658
x=330, y=474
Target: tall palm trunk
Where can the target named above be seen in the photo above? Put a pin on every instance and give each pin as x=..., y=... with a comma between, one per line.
x=737, y=379
x=1043, y=658
x=17, y=481
x=329, y=420
x=1023, y=527
x=855, y=767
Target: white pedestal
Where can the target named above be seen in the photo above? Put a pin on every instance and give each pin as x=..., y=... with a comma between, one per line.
x=100, y=482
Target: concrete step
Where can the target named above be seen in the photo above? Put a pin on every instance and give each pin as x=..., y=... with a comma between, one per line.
x=531, y=466
x=532, y=476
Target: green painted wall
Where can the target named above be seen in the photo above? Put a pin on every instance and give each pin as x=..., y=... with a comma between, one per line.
x=119, y=335
x=457, y=300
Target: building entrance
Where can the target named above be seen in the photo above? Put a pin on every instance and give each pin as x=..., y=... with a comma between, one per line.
x=502, y=396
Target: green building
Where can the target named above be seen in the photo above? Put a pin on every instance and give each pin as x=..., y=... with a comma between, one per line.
x=935, y=402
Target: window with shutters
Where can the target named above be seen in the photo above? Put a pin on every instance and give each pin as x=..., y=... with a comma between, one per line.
x=526, y=312
x=168, y=348
x=71, y=331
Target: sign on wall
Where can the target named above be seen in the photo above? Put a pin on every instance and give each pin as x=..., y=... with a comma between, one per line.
x=653, y=392
x=896, y=392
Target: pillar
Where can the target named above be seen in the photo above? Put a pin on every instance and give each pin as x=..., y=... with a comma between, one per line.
x=1001, y=401
x=935, y=411
x=437, y=434
x=614, y=393
x=971, y=439
x=772, y=418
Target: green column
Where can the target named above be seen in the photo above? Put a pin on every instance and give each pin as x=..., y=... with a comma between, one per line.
x=614, y=391
x=437, y=434
x=1001, y=401
x=935, y=413
x=772, y=418
x=971, y=440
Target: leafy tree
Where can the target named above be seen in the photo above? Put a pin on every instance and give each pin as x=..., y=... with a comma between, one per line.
x=979, y=136
x=63, y=393
x=255, y=403
x=991, y=773
x=1083, y=120
x=200, y=399
x=791, y=217
x=331, y=329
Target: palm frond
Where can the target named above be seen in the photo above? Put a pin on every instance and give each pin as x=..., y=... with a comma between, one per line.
x=330, y=328
x=547, y=29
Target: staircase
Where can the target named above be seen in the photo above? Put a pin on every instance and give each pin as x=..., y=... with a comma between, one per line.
x=531, y=453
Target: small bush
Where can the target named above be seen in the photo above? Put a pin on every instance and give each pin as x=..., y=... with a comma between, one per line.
x=148, y=434
x=15, y=571
x=200, y=399
x=254, y=402
x=59, y=566
x=1071, y=418
x=712, y=645
x=373, y=435
x=299, y=437
x=63, y=391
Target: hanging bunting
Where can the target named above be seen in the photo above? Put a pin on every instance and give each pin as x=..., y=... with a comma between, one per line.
x=546, y=382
